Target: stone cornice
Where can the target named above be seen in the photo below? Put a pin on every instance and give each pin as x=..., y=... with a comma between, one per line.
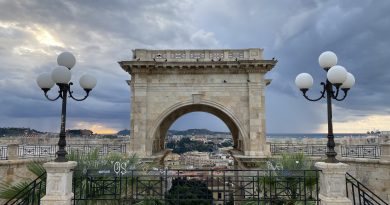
x=232, y=67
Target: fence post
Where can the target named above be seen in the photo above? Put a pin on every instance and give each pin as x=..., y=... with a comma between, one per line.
x=59, y=183
x=332, y=183
x=12, y=150
x=385, y=153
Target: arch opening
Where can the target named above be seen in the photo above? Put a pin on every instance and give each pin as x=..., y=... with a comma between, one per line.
x=159, y=136
x=198, y=132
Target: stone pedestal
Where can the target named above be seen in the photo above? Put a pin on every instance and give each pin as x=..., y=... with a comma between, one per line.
x=385, y=153
x=332, y=183
x=58, y=183
x=12, y=150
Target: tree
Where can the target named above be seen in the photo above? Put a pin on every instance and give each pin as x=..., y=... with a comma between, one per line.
x=189, y=192
x=187, y=145
x=293, y=173
x=226, y=144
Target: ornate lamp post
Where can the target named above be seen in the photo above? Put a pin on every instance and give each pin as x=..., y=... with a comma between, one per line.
x=337, y=79
x=61, y=76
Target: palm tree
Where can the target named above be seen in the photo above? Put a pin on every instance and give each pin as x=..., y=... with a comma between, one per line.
x=294, y=174
x=90, y=163
x=36, y=188
x=26, y=191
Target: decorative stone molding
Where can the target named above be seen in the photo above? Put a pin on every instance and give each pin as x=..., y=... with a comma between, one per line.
x=332, y=183
x=194, y=55
x=201, y=67
x=58, y=183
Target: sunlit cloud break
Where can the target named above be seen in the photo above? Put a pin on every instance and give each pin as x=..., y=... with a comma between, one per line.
x=97, y=128
x=101, y=33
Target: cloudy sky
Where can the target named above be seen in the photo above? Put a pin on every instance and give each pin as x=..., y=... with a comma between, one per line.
x=101, y=33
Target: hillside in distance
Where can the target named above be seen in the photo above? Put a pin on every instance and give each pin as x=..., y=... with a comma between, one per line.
x=195, y=132
x=15, y=131
x=124, y=132
x=182, y=132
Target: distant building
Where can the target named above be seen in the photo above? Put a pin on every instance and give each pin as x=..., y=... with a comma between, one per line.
x=77, y=133
x=199, y=138
x=385, y=133
x=195, y=159
x=172, y=160
x=384, y=136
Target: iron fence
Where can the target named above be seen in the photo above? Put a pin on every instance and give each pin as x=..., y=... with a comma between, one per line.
x=37, y=151
x=360, y=194
x=311, y=150
x=31, y=194
x=208, y=186
x=361, y=151
x=102, y=149
x=3, y=152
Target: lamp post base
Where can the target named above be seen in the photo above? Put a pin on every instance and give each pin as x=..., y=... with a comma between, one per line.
x=332, y=183
x=58, y=183
x=331, y=157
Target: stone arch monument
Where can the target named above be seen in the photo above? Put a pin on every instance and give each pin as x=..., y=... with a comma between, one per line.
x=166, y=84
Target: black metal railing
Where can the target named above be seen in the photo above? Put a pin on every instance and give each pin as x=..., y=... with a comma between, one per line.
x=360, y=194
x=196, y=186
x=102, y=149
x=31, y=194
x=3, y=152
x=361, y=151
x=311, y=150
x=38, y=151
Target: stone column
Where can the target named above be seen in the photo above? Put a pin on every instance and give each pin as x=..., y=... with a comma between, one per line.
x=12, y=151
x=59, y=183
x=255, y=144
x=385, y=153
x=332, y=183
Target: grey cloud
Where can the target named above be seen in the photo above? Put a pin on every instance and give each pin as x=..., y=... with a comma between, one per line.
x=357, y=32
x=100, y=33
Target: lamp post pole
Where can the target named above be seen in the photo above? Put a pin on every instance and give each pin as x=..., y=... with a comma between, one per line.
x=61, y=76
x=61, y=153
x=338, y=78
x=330, y=153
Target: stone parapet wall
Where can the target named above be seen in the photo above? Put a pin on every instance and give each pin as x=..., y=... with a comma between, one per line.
x=373, y=173
x=13, y=171
x=347, y=140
